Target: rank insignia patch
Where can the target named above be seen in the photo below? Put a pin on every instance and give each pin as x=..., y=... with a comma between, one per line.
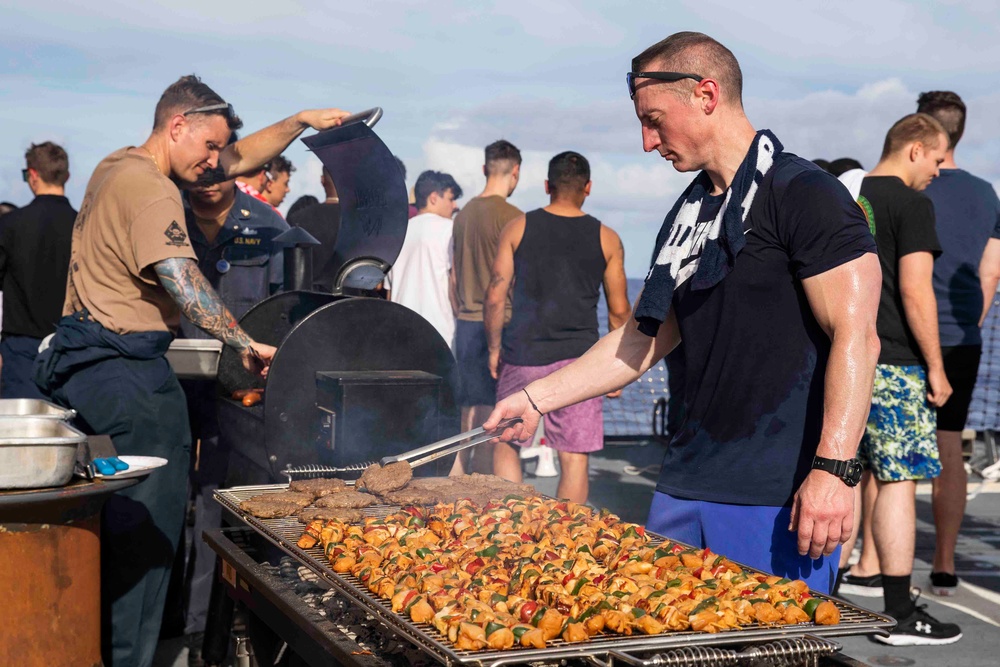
x=175, y=235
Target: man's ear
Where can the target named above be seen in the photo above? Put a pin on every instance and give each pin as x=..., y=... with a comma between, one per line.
x=916, y=151
x=484, y=172
x=516, y=172
x=707, y=92
x=176, y=126
x=547, y=191
x=586, y=188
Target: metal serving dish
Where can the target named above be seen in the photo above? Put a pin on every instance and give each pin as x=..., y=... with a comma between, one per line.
x=33, y=407
x=37, y=452
x=284, y=533
x=195, y=359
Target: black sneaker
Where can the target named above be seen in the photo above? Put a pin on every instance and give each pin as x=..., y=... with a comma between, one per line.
x=866, y=587
x=921, y=629
x=944, y=584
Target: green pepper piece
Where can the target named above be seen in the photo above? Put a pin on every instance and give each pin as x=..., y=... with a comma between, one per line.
x=762, y=587
x=660, y=553
x=424, y=552
x=779, y=582
x=756, y=600
x=473, y=614
x=673, y=583
x=489, y=552
x=656, y=594
x=498, y=598
x=492, y=627
x=638, y=613
x=519, y=632
x=810, y=606
x=579, y=584
x=537, y=616
x=705, y=604
x=620, y=594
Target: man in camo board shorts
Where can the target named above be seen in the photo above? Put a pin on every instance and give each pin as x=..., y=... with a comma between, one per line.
x=900, y=441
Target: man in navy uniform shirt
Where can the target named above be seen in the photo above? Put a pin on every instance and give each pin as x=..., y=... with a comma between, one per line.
x=233, y=237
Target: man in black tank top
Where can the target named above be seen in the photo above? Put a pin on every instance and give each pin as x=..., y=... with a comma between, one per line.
x=553, y=261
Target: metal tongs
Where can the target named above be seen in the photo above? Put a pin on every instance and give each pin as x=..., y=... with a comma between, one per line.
x=426, y=454
x=441, y=448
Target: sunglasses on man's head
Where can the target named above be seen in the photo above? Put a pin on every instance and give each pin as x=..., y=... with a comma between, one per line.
x=230, y=112
x=659, y=76
x=24, y=174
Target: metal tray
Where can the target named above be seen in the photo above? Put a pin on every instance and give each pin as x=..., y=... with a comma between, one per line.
x=195, y=359
x=36, y=452
x=33, y=407
x=284, y=533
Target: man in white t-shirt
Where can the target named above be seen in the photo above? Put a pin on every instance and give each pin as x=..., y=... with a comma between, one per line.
x=419, y=278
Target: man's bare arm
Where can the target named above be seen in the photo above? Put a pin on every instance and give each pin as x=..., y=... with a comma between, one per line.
x=916, y=271
x=199, y=302
x=615, y=283
x=495, y=301
x=989, y=275
x=453, y=290
x=251, y=152
x=844, y=301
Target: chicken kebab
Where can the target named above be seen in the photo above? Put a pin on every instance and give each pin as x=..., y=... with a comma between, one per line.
x=527, y=570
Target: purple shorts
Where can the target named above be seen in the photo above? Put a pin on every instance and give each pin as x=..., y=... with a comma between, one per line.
x=578, y=428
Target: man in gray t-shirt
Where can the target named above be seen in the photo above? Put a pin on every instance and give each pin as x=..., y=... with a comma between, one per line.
x=965, y=279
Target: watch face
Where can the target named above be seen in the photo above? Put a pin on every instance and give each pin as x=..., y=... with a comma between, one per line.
x=854, y=472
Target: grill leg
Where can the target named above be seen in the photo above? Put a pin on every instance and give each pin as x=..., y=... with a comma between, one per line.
x=219, y=623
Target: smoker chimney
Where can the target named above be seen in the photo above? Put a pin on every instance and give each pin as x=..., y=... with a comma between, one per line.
x=298, y=258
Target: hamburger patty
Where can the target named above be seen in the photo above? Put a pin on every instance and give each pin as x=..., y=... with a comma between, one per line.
x=346, y=499
x=346, y=515
x=300, y=499
x=269, y=509
x=318, y=487
x=379, y=480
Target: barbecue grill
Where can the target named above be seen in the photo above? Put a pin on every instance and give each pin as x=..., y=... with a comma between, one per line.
x=395, y=638
x=355, y=377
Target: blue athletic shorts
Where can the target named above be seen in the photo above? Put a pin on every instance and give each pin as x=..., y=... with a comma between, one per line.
x=754, y=536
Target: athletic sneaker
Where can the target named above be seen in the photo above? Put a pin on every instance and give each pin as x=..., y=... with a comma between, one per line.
x=921, y=629
x=944, y=584
x=866, y=587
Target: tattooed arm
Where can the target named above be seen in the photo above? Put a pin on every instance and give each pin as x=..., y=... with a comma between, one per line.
x=200, y=304
x=495, y=303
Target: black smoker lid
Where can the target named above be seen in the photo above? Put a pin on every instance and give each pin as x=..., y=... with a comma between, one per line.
x=374, y=205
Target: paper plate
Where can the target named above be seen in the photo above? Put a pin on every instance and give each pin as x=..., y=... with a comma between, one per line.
x=138, y=466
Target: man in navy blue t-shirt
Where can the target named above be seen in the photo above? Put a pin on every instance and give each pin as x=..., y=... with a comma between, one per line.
x=767, y=270
x=965, y=279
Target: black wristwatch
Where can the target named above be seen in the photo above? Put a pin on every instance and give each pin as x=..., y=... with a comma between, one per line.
x=848, y=471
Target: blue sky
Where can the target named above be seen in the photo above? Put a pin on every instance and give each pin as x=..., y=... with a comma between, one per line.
x=828, y=78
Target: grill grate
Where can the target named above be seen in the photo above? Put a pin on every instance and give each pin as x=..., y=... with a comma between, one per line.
x=284, y=533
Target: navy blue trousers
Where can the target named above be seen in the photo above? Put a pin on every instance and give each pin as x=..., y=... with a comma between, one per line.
x=19, y=354
x=139, y=403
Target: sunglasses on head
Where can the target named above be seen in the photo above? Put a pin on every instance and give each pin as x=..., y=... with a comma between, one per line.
x=659, y=76
x=225, y=107
x=24, y=174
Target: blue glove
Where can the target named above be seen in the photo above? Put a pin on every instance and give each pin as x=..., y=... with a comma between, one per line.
x=110, y=466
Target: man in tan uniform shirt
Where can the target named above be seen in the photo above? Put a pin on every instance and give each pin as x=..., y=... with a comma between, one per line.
x=132, y=273
x=476, y=236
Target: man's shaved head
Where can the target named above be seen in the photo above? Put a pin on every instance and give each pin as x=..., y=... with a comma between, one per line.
x=696, y=53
